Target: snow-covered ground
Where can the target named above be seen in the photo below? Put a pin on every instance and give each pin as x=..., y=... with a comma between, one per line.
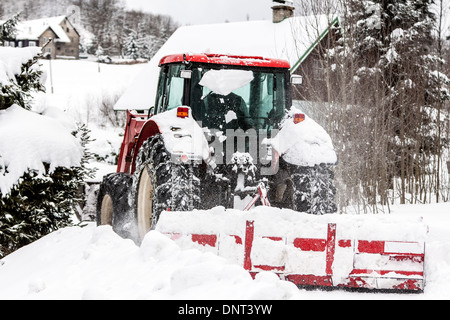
x=79, y=88
x=94, y=263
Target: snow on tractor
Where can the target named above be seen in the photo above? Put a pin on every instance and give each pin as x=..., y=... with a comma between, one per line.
x=223, y=136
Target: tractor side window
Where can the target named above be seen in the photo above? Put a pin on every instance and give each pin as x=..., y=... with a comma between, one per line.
x=176, y=90
x=160, y=94
x=170, y=89
x=262, y=99
x=268, y=99
x=279, y=98
x=244, y=93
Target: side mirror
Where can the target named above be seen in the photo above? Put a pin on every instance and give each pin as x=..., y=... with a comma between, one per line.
x=150, y=112
x=296, y=79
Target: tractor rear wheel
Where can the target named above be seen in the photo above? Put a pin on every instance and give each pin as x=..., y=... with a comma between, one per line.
x=112, y=203
x=314, y=189
x=161, y=183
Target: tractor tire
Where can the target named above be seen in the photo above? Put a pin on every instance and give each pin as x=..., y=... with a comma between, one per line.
x=160, y=183
x=314, y=189
x=113, y=205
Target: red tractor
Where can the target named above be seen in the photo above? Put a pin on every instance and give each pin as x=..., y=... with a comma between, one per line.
x=223, y=134
x=209, y=142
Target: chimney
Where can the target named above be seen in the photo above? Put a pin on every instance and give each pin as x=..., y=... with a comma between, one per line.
x=282, y=9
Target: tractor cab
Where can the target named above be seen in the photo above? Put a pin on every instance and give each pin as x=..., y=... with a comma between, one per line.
x=226, y=92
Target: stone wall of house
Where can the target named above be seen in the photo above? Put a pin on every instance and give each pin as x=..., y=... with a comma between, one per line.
x=50, y=49
x=71, y=49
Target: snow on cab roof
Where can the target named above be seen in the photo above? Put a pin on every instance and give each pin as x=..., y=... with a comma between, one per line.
x=291, y=40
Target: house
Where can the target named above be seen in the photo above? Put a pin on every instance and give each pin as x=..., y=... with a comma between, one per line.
x=65, y=38
x=297, y=39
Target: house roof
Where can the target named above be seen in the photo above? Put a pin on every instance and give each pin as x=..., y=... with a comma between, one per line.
x=292, y=39
x=33, y=29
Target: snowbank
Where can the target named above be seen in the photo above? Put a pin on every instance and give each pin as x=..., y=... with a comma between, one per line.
x=95, y=263
x=28, y=140
x=81, y=87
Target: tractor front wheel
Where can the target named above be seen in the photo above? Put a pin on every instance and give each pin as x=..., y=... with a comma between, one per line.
x=161, y=183
x=144, y=202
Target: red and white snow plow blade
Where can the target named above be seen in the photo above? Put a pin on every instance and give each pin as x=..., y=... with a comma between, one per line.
x=369, y=252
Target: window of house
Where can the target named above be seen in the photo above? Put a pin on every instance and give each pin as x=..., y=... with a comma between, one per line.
x=20, y=44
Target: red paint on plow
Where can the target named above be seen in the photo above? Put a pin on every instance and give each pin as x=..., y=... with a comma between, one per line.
x=205, y=239
x=249, y=235
x=331, y=248
x=316, y=245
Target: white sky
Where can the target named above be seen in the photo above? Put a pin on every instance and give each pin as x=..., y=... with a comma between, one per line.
x=192, y=12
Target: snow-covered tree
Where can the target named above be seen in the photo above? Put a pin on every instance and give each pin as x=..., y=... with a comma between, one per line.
x=42, y=162
x=17, y=88
x=144, y=42
x=8, y=29
x=99, y=53
x=132, y=45
x=386, y=68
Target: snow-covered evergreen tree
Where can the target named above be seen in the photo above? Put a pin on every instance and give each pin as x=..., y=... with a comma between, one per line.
x=132, y=45
x=42, y=197
x=8, y=29
x=388, y=53
x=144, y=43
x=18, y=88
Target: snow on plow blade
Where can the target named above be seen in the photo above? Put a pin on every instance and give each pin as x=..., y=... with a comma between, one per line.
x=367, y=252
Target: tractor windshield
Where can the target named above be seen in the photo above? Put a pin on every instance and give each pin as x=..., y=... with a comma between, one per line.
x=237, y=99
x=226, y=98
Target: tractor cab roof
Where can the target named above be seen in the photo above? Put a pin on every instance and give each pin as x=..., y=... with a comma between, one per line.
x=222, y=59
